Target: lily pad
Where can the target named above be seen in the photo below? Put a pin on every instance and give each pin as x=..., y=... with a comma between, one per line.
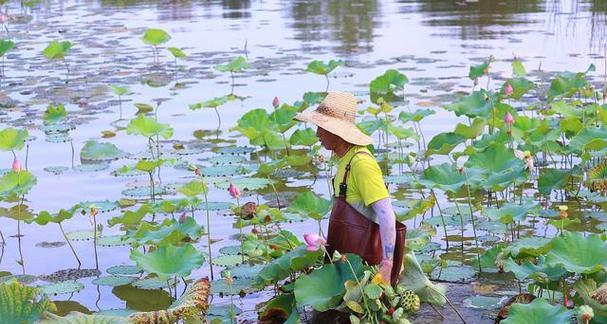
x=113, y=281
x=112, y=240
x=243, y=285
x=124, y=270
x=95, y=151
x=243, y=183
x=70, y=274
x=153, y=283
x=168, y=261
x=228, y=260
x=63, y=287
x=460, y=273
x=484, y=302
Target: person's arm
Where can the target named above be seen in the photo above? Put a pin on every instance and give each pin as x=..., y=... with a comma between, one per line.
x=387, y=230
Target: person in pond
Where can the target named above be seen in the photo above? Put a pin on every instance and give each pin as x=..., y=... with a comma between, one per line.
x=362, y=219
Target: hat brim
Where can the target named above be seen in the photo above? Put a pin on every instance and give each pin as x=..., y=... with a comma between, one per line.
x=346, y=130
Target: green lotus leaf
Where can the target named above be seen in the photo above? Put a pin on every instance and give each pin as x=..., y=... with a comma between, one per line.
x=22, y=304
x=124, y=270
x=280, y=268
x=447, y=177
x=57, y=50
x=589, y=138
x=226, y=159
x=254, y=125
x=305, y=137
x=80, y=318
x=499, y=166
x=539, y=271
x=308, y=203
x=520, y=86
x=244, y=183
x=213, y=103
x=178, y=53
x=477, y=104
x=142, y=299
x=279, y=309
x=153, y=283
x=131, y=217
x=510, y=212
x=402, y=133
x=370, y=126
x=148, y=165
x=238, y=64
x=313, y=98
x=95, y=151
x=155, y=37
x=5, y=46
x=112, y=240
x=415, y=116
x=222, y=311
x=45, y=217
x=169, y=231
x=228, y=261
x=477, y=71
x=551, y=179
x=387, y=85
x=149, y=127
x=16, y=183
x=530, y=246
x=484, y=302
x=455, y=273
x=119, y=90
x=12, y=139
x=63, y=287
x=322, y=68
x=168, y=261
x=54, y=114
x=238, y=287
x=417, y=239
x=577, y=253
x=246, y=271
x=472, y=131
x=223, y=170
x=539, y=311
x=83, y=235
x=113, y=281
x=323, y=288
x=22, y=278
x=567, y=83
x=444, y=143
x=518, y=70
x=194, y=188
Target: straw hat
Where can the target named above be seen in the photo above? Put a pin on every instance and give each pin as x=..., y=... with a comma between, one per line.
x=337, y=114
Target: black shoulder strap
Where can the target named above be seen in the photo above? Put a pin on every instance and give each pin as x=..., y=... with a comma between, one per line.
x=343, y=187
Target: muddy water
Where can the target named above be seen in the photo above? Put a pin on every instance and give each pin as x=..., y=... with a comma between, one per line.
x=433, y=42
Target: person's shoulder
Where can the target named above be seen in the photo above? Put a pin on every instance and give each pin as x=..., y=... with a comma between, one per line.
x=363, y=156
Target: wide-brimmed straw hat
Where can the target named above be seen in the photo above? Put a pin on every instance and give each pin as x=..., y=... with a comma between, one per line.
x=337, y=114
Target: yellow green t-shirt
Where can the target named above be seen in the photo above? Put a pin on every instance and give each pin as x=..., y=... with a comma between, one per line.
x=365, y=181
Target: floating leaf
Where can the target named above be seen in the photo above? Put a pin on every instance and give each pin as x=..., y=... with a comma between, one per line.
x=244, y=183
x=113, y=281
x=168, y=261
x=228, y=260
x=124, y=270
x=484, y=302
x=63, y=287
x=95, y=151
x=153, y=283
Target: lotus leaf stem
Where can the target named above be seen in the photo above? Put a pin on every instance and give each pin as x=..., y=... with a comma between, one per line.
x=70, y=244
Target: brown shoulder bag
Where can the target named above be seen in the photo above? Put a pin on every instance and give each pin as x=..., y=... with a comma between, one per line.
x=352, y=232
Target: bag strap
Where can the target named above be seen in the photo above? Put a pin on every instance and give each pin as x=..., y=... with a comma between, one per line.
x=343, y=187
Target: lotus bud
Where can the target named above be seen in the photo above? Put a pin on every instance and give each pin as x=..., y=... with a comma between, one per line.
x=275, y=102
x=313, y=241
x=586, y=313
x=16, y=165
x=234, y=191
x=93, y=210
x=563, y=211
x=508, y=89
x=508, y=119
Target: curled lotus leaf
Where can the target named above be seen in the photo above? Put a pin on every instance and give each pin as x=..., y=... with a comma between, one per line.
x=238, y=64
x=149, y=127
x=577, y=253
x=54, y=114
x=5, y=46
x=22, y=304
x=57, y=50
x=177, y=52
x=477, y=104
x=168, y=261
x=12, y=139
x=538, y=271
x=192, y=305
x=170, y=231
x=539, y=311
x=387, y=86
x=308, y=203
x=155, y=37
x=322, y=68
x=478, y=70
x=280, y=268
x=305, y=137
x=444, y=143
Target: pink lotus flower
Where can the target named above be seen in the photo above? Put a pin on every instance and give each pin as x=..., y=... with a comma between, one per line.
x=508, y=119
x=3, y=18
x=16, y=165
x=234, y=191
x=313, y=241
x=508, y=89
x=275, y=102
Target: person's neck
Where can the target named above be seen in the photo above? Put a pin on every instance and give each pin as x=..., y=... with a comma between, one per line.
x=342, y=149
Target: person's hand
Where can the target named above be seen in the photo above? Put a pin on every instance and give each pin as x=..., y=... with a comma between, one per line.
x=385, y=269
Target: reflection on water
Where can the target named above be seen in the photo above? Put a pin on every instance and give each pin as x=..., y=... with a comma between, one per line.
x=348, y=23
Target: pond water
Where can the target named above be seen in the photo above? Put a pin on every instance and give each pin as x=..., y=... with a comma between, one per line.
x=432, y=42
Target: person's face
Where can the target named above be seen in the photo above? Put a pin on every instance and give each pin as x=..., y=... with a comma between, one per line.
x=327, y=139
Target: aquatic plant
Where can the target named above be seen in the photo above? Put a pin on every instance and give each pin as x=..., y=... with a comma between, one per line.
x=56, y=51
x=155, y=37
x=236, y=65
x=5, y=46
x=120, y=91
x=214, y=103
x=322, y=68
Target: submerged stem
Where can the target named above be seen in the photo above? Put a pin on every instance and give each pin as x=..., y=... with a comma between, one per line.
x=70, y=245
